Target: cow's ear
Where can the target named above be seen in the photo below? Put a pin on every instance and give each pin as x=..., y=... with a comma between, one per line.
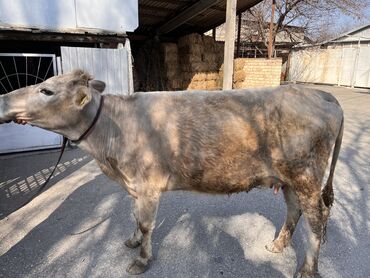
x=97, y=85
x=82, y=97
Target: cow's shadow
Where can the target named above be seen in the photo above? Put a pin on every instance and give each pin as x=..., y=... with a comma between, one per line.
x=196, y=235
x=84, y=237
x=227, y=234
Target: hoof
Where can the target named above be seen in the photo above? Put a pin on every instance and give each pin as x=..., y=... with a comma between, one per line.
x=274, y=247
x=132, y=243
x=138, y=266
x=306, y=274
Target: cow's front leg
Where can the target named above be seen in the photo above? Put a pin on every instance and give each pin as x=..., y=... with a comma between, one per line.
x=136, y=238
x=147, y=204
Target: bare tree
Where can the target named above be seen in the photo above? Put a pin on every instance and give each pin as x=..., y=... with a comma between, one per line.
x=316, y=16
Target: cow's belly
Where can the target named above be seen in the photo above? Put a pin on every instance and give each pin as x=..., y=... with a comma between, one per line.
x=224, y=179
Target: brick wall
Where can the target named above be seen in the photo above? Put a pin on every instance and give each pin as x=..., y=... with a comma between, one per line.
x=256, y=72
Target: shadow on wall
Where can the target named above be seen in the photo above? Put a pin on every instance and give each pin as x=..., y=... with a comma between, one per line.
x=22, y=176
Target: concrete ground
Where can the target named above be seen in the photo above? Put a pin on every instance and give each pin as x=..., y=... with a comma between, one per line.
x=77, y=227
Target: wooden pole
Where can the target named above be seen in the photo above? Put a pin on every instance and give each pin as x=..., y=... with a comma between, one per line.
x=269, y=50
x=229, y=44
x=214, y=33
x=238, y=38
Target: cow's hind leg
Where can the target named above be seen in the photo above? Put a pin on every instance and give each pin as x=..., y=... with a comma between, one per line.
x=292, y=217
x=313, y=209
x=136, y=238
x=147, y=205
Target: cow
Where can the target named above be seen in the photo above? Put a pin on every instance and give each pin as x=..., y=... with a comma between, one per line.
x=212, y=142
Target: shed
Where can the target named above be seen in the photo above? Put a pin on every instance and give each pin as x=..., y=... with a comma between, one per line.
x=340, y=61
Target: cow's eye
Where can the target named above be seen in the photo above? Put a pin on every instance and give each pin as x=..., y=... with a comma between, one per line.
x=46, y=92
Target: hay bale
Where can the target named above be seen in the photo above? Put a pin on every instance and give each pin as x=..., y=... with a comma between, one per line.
x=239, y=64
x=194, y=67
x=199, y=77
x=197, y=85
x=169, y=52
x=212, y=67
x=209, y=43
x=191, y=39
x=210, y=58
x=212, y=76
x=170, y=74
x=212, y=85
x=190, y=58
x=239, y=85
x=193, y=76
x=170, y=69
x=174, y=84
x=196, y=49
x=187, y=76
x=171, y=59
x=239, y=76
x=169, y=48
x=219, y=48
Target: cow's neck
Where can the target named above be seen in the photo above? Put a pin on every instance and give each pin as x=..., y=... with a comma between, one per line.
x=102, y=140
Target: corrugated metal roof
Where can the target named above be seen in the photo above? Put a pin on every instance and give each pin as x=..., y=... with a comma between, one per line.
x=154, y=13
x=359, y=34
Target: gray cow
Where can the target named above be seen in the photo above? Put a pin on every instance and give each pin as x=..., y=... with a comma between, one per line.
x=224, y=142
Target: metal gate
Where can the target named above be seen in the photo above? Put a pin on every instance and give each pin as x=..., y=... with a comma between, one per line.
x=20, y=70
x=339, y=66
x=16, y=71
x=109, y=65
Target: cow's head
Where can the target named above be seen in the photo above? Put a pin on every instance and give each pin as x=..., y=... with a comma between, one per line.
x=65, y=104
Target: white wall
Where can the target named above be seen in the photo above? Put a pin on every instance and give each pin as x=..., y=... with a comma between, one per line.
x=112, y=15
x=339, y=66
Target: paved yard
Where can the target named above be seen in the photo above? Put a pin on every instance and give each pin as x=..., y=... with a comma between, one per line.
x=77, y=227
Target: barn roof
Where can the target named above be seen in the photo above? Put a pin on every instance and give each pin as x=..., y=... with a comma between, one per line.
x=361, y=33
x=14, y=32
x=176, y=18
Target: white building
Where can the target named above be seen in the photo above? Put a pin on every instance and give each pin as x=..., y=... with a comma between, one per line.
x=342, y=61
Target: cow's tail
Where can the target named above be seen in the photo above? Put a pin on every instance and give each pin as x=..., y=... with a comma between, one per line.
x=327, y=192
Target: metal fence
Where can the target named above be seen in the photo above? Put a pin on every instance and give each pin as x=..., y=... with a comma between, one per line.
x=18, y=70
